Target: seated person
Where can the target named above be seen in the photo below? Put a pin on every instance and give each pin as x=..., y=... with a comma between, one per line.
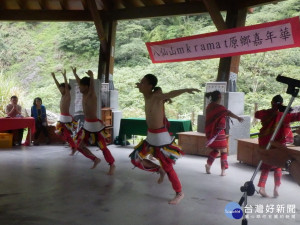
x=15, y=110
x=38, y=112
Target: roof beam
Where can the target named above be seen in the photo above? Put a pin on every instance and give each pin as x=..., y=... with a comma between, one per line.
x=98, y=23
x=63, y=4
x=147, y=2
x=83, y=2
x=187, y=8
x=215, y=14
x=106, y=4
x=253, y=3
x=42, y=4
x=158, y=11
x=40, y=15
x=21, y=4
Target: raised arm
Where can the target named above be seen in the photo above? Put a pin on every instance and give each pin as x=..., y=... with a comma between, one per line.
x=55, y=80
x=175, y=93
x=91, y=88
x=67, y=90
x=75, y=74
x=240, y=119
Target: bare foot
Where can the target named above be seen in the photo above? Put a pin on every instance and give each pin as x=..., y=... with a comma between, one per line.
x=111, y=169
x=73, y=151
x=179, y=196
x=162, y=174
x=275, y=193
x=223, y=172
x=207, y=168
x=96, y=162
x=263, y=193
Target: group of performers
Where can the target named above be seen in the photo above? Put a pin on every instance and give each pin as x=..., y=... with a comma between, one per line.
x=92, y=131
x=159, y=143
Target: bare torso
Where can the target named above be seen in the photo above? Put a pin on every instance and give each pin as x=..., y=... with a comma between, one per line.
x=89, y=105
x=65, y=102
x=154, y=109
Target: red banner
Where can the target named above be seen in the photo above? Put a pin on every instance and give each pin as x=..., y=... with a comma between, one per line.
x=238, y=41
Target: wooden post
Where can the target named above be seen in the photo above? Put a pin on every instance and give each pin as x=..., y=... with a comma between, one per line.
x=112, y=29
x=234, y=18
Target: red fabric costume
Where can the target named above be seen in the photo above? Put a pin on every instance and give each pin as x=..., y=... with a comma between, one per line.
x=65, y=128
x=270, y=119
x=215, y=125
x=93, y=132
x=161, y=146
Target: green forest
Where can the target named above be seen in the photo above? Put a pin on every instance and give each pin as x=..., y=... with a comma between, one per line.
x=30, y=51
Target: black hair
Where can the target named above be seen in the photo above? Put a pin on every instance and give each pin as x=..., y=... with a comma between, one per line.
x=63, y=85
x=157, y=89
x=85, y=81
x=14, y=96
x=37, y=98
x=215, y=95
x=151, y=79
x=277, y=101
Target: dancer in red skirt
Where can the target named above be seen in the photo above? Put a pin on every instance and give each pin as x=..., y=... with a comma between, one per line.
x=215, y=125
x=269, y=120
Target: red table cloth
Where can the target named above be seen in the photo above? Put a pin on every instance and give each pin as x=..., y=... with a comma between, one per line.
x=17, y=123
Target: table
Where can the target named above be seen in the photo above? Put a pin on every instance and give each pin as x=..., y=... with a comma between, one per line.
x=247, y=151
x=138, y=126
x=18, y=123
x=194, y=143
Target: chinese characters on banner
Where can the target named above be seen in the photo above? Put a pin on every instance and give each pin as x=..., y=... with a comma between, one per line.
x=238, y=41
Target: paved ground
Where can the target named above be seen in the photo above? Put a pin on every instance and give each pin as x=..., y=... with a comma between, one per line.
x=42, y=185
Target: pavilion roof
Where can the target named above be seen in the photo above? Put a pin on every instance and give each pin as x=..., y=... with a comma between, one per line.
x=78, y=10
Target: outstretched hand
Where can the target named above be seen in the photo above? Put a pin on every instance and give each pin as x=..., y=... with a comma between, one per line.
x=192, y=90
x=73, y=69
x=53, y=74
x=240, y=119
x=90, y=73
x=64, y=72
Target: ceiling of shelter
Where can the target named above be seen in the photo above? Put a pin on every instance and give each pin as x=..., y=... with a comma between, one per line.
x=78, y=10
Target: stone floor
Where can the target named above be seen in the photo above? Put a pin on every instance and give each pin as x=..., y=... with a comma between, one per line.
x=42, y=185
